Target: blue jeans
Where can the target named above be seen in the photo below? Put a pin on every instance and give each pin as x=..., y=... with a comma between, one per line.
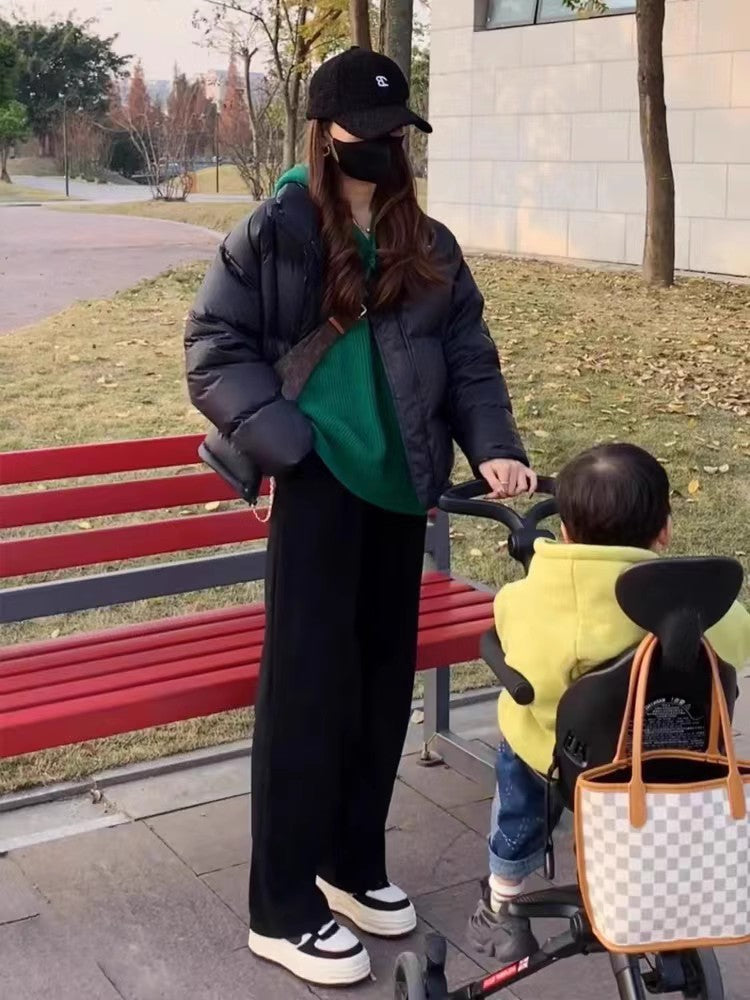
x=518, y=826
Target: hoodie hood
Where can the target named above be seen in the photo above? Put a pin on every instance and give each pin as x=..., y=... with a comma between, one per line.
x=576, y=584
x=299, y=174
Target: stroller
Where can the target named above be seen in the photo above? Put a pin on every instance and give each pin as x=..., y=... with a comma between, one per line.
x=677, y=600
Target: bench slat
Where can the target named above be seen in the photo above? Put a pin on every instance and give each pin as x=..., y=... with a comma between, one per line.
x=46, y=464
x=40, y=684
x=18, y=672
x=21, y=557
x=52, y=506
x=186, y=697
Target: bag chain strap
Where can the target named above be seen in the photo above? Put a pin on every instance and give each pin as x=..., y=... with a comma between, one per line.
x=265, y=516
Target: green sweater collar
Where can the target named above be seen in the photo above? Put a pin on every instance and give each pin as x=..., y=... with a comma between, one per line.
x=297, y=175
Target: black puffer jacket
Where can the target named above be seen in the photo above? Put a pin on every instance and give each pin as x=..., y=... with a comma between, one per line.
x=262, y=295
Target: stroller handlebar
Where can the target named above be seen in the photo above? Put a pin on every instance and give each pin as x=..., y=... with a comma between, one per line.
x=471, y=499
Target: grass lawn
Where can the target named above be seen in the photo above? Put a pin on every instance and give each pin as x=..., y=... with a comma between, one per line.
x=230, y=181
x=221, y=216
x=589, y=356
x=12, y=193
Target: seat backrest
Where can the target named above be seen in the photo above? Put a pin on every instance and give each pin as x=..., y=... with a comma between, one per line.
x=122, y=506
x=677, y=600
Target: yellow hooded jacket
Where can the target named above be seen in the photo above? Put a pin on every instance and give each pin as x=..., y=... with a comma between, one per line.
x=563, y=620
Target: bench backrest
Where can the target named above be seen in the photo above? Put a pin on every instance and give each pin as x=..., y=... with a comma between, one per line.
x=179, y=483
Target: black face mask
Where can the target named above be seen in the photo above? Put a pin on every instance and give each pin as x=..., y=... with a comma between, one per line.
x=370, y=160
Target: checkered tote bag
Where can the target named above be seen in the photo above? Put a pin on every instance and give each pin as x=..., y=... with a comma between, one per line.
x=663, y=837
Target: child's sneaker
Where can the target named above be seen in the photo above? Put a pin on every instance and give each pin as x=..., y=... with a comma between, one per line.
x=500, y=935
x=331, y=956
x=385, y=912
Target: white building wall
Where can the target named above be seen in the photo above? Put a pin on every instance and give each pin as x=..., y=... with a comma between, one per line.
x=537, y=148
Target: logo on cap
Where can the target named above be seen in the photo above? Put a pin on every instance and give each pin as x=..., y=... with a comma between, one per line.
x=382, y=81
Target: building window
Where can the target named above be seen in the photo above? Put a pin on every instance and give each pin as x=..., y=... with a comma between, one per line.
x=513, y=13
x=510, y=13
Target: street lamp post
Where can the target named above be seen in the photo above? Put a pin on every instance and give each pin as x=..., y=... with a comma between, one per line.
x=66, y=162
x=216, y=146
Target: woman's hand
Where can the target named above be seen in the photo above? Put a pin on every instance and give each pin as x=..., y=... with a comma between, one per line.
x=508, y=478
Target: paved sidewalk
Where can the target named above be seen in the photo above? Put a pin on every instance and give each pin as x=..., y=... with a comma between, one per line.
x=50, y=259
x=153, y=907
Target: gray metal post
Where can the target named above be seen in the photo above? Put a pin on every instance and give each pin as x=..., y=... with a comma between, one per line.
x=437, y=683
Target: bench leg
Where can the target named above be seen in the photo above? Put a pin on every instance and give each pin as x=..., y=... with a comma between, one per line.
x=441, y=745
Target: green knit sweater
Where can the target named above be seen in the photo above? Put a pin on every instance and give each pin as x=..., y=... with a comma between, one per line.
x=350, y=404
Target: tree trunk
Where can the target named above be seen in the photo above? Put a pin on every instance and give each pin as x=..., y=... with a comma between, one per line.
x=359, y=16
x=290, y=128
x=247, y=58
x=383, y=26
x=658, y=251
x=398, y=33
x=4, y=175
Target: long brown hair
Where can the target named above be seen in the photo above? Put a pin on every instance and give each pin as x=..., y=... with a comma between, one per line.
x=404, y=237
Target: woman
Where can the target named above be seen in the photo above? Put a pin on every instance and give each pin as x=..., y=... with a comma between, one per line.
x=344, y=237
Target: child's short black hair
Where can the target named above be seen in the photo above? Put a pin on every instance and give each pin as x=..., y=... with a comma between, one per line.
x=614, y=494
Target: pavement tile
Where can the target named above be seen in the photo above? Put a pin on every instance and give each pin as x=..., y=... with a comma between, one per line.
x=42, y=961
x=427, y=848
x=735, y=969
x=18, y=899
x=166, y=793
x=440, y=784
x=50, y=820
x=155, y=929
x=208, y=837
x=475, y=815
x=230, y=885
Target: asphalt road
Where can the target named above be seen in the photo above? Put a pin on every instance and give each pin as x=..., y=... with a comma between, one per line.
x=50, y=259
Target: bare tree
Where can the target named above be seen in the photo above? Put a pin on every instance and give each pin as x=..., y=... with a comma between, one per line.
x=359, y=17
x=294, y=33
x=165, y=138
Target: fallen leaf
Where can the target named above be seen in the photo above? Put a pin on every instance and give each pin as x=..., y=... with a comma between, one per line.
x=724, y=468
x=55, y=633
x=84, y=525
x=711, y=469
x=74, y=357
x=693, y=486
x=541, y=434
x=476, y=553
x=213, y=505
x=417, y=717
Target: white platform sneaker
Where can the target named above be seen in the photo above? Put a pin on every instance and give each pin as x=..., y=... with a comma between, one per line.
x=384, y=912
x=330, y=957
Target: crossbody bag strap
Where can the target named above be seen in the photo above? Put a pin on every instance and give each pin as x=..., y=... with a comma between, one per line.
x=298, y=364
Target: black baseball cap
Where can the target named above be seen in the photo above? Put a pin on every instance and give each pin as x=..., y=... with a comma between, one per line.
x=363, y=92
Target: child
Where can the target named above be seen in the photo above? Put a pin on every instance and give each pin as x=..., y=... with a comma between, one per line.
x=561, y=621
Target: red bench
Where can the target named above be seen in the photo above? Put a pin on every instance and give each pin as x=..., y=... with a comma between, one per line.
x=74, y=688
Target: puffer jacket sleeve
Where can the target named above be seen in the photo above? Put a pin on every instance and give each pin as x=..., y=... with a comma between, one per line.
x=481, y=413
x=228, y=379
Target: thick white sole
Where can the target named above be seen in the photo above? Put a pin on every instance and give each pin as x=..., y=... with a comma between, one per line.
x=320, y=971
x=381, y=923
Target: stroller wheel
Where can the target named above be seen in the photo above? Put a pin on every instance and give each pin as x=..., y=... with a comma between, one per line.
x=409, y=978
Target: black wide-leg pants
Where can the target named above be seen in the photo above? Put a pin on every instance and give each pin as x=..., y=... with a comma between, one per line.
x=342, y=605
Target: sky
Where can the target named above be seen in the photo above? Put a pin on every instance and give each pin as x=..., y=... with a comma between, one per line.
x=159, y=31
